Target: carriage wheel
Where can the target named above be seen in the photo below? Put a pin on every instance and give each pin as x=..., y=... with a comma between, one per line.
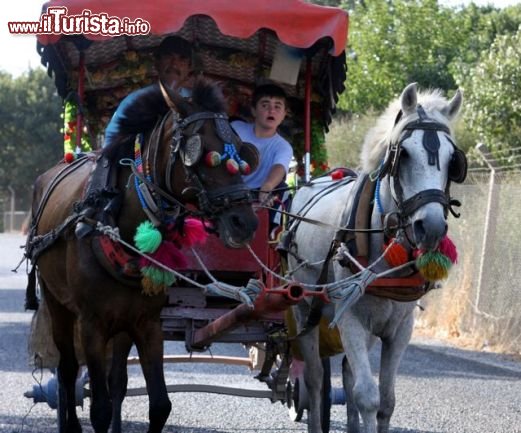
x=326, y=395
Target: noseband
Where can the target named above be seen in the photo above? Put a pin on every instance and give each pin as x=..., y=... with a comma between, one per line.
x=431, y=143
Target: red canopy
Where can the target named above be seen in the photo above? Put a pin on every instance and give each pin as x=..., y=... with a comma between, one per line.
x=297, y=24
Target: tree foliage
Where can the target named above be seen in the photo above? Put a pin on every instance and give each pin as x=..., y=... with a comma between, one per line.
x=395, y=42
x=493, y=90
x=30, y=139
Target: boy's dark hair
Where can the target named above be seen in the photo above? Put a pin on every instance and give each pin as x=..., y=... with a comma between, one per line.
x=269, y=90
x=174, y=45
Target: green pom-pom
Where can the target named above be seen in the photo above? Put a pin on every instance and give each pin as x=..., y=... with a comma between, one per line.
x=158, y=276
x=147, y=237
x=433, y=265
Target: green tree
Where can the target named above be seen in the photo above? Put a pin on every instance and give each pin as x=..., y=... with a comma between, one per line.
x=392, y=43
x=30, y=138
x=493, y=94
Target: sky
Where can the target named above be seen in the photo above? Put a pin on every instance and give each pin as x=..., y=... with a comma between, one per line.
x=18, y=52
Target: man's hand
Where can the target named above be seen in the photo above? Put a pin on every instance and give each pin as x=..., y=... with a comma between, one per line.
x=266, y=198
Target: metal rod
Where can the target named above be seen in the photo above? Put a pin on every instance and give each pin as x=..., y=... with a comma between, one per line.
x=490, y=221
x=173, y=359
x=307, y=122
x=212, y=389
x=81, y=94
x=265, y=304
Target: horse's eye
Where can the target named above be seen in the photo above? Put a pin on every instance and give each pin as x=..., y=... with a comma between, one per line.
x=404, y=154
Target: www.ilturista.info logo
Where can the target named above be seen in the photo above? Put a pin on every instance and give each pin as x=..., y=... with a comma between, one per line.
x=57, y=22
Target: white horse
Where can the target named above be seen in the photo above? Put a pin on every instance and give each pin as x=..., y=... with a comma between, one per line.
x=411, y=152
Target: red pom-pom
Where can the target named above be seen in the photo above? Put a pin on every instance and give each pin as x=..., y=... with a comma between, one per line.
x=396, y=255
x=69, y=157
x=232, y=166
x=337, y=174
x=167, y=254
x=447, y=248
x=244, y=167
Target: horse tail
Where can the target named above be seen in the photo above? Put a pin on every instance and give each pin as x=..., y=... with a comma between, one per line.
x=31, y=300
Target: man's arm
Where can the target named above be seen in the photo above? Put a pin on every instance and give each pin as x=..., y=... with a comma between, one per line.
x=275, y=177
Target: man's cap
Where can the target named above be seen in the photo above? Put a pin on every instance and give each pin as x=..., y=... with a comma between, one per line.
x=174, y=45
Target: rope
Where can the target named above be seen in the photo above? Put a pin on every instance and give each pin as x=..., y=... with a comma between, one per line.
x=246, y=294
x=113, y=234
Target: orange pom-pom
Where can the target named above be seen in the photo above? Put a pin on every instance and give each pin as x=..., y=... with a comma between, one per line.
x=396, y=255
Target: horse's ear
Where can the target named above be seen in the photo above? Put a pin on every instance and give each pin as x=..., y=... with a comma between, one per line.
x=408, y=99
x=172, y=98
x=454, y=106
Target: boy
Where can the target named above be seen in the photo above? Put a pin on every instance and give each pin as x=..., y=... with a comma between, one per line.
x=269, y=108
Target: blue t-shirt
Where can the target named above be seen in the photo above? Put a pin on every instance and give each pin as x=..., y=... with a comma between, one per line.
x=272, y=150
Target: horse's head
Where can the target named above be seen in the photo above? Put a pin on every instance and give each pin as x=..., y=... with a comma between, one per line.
x=203, y=160
x=417, y=161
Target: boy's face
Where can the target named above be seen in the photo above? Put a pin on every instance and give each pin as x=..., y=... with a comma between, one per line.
x=269, y=112
x=174, y=69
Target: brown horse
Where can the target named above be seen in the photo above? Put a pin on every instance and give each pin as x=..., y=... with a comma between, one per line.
x=78, y=290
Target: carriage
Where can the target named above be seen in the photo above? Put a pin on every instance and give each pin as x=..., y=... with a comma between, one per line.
x=386, y=228
x=235, y=45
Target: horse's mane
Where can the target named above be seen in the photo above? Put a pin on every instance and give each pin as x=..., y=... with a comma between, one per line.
x=379, y=136
x=208, y=96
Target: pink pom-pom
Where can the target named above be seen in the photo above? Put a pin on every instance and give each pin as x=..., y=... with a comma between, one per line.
x=194, y=233
x=167, y=254
x=447, y=248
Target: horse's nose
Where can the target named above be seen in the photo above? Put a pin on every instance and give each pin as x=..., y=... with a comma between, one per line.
x=429, y=231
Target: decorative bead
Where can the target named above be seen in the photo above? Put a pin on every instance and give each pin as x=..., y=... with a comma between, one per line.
x=244, y=167
x=337, y=174
x=232, y=166
x=212, y=159
x=69, y=157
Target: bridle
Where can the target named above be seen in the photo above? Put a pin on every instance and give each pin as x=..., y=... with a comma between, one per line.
x=187, y=146
x=431, y=144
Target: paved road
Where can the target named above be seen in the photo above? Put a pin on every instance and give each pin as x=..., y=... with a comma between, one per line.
x=439, y=390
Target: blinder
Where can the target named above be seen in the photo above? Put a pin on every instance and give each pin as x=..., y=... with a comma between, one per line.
x=191, y=150
x=458, y=166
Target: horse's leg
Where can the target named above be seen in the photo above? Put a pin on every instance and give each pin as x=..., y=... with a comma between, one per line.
x=392, y=352
x=149, y=343
x=308, y=343
x=63, y=335
x=94, y=345
x=353, y=419
x=356, y=341
x=118, y=377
